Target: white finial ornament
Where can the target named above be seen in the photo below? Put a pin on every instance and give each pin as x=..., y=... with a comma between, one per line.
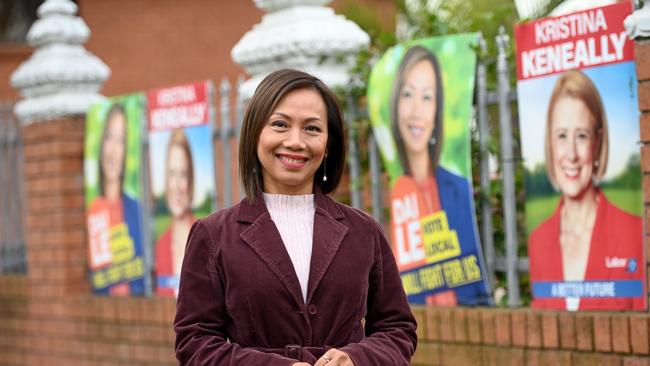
x=300, y=34
x=61, y=78
x=637, y=24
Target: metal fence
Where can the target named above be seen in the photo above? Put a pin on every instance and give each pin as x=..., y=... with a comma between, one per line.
x=12, y=247
x=12, y=202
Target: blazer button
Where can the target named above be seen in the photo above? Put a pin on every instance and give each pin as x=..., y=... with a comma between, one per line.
x=312, y=309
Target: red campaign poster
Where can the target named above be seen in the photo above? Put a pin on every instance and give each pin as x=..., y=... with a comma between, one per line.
x=579, y=120
x=181, y=160
x=178, y=107
x=579, y=40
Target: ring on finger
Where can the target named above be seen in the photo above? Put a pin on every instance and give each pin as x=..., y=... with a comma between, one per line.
x=327, y=358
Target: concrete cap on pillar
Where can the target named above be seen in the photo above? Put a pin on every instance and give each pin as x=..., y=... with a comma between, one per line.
x=61, y=78
x=637, y=24
x=299, y=34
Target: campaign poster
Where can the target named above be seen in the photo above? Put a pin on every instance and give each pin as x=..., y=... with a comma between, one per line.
x=579, y=119
x=181, y=157
x=112, y=171
x=420, y=105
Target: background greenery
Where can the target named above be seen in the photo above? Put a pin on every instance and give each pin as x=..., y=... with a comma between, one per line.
x=624, y=191
x=162, y=217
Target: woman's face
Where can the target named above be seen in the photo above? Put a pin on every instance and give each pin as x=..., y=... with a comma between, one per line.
x=417, y=107
x=178, y=182
x=113, y=148
x=293, y=142
x=573, y=146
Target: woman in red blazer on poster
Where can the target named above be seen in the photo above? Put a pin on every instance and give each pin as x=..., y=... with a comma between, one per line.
x=179, y=191
x=288, y=276
x=586, y=238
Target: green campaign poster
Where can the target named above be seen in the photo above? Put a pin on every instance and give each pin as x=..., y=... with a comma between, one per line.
x=112, y=172
x=420, y=105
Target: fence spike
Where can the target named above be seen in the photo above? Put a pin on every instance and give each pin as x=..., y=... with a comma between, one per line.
x=508, y=168
x=226, y=132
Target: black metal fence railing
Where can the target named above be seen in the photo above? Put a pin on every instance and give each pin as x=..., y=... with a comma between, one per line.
x=12, y=199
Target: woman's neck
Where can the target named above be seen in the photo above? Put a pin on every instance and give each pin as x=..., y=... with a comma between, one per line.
x=112, y=190
x=273, y=186
x=420, y=165
x=182, y=221
x=577, y=220
x=580, y=213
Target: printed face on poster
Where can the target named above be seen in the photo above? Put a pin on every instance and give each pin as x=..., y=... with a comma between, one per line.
x=420, y=105
x=580, y=130
x=113, y=195
x=182, y=172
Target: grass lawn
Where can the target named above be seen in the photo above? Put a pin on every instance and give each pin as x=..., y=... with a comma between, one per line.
x=539, y=209
x=161, y=223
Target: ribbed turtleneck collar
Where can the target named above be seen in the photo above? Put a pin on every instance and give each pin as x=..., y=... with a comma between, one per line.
x=287, y=201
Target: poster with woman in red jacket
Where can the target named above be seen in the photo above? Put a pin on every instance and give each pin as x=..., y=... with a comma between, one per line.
x=580, y=128
x=182, y=168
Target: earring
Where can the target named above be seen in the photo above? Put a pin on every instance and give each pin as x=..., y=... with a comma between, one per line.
x=432, y=140
x=325, y=169
x=596, y=163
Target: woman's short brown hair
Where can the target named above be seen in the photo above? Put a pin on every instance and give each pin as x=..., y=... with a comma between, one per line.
x=268, y=94
x=575, y=84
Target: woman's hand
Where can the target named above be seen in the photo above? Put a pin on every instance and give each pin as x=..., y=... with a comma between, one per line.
x=334, y=357
x=301, y=364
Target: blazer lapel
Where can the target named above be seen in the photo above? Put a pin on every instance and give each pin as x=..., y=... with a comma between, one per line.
x=328, y=235
x=265, y=240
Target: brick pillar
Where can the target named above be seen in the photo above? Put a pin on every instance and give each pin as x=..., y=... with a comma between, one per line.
x=56, y=224
x=642, y=56
x=53, y=147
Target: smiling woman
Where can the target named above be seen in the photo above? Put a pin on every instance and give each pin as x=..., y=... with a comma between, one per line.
x=586, y=234
x=179, y=191
x=289, y=276
x=113, y=214
x=426, y=188
x=292, y=144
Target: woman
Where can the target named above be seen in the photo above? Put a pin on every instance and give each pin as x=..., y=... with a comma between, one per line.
x=586, y=238
x=288, y=276
x=179, y=192
x=114, y=217
x=417, y=114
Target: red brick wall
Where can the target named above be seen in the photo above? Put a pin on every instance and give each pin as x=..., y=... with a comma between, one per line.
x=492, y=336
x=11, y=56
x=156, y=43
x=642, y=57
x=83, y=329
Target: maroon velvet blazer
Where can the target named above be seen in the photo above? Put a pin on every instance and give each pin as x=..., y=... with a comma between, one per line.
x=240, y=302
